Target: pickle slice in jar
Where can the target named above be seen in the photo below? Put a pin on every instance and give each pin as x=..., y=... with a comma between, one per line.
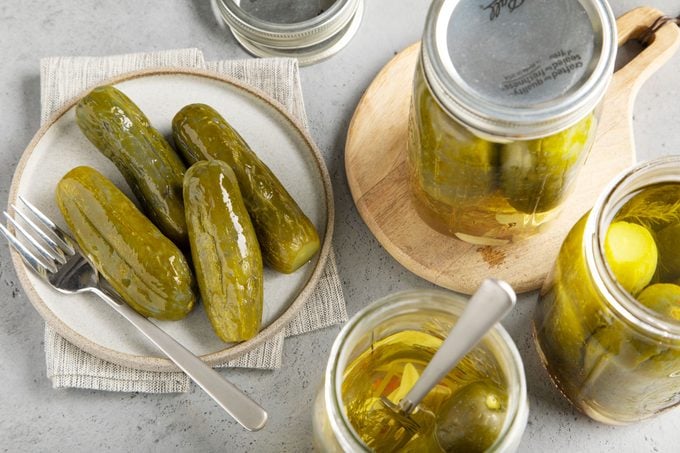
x=433, y=400
x=537, y=174
x=473, y=419
x=631, y=254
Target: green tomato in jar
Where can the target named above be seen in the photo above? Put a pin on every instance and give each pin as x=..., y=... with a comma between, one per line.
x=473, y=419
x=663, y=298
x=668, y=244
x=631, y=254
x=536, y=175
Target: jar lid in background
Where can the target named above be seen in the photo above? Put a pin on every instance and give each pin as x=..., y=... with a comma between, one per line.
x=309, y=30
x=519, y=68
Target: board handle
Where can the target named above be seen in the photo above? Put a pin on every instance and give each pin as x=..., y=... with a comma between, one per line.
x=633, y=25
x=617, y=112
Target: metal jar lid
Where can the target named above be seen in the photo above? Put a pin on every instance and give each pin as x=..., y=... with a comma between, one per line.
x=519, y=68
x=309, y=40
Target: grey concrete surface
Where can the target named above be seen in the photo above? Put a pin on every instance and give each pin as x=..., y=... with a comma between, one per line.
x=34, y=417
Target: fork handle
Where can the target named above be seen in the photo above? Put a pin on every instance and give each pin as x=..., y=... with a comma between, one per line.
x=243, y=409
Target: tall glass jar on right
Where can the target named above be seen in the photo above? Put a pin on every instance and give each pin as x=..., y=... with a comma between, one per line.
x=607, y=323
x=504, y=112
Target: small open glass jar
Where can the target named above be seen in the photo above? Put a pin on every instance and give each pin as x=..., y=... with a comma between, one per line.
x=429, y=314
x=612, y=356
x=504, y=112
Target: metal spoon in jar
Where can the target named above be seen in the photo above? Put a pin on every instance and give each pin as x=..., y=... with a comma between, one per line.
x=488, y=305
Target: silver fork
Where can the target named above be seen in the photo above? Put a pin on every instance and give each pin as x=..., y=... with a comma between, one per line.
x=53, y=255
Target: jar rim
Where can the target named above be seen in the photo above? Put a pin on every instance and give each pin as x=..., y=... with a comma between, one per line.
x=616, y=193
x=295, y=35
x=397, y=304
x=494, y=117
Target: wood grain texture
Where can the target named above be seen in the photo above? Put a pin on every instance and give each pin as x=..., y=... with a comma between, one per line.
x=375, y=161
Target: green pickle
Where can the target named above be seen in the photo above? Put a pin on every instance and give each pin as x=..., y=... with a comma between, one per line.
x=536, y=175
x=631, y=254
x=474, y=417
x=287, y=237
x=487, y=190
x=225, y=251
x=154, y=171
x=464, y=412
x=608, y=368
x=668, y=241
x=135, y=258
x=663, y=298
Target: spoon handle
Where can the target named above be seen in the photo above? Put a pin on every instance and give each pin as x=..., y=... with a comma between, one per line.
x=490, y=303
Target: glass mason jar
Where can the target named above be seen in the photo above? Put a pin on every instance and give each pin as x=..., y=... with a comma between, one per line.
x=612, y=357
x=310, y=31
x=502, y=119
x=432, y=312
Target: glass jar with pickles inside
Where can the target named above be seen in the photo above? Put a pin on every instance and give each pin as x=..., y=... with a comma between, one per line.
x=607, y=324
x=504, y=112
x=481, y=405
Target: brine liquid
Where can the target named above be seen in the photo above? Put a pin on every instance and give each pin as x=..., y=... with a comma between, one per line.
x=464, y=412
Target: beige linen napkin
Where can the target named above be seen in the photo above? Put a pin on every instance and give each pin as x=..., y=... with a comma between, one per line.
x=63, y=78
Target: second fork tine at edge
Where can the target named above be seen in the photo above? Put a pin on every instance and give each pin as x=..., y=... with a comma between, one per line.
x=63, y=237
x=51, y=255
x=32, y=261
x=56, y=244
x=50, y=240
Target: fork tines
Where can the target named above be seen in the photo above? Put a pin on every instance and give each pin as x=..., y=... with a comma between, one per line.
x=45, y=246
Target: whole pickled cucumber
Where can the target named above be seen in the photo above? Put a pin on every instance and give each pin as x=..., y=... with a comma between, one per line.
x=225, y=251
x=536, y=175
x=474, y=418
x=287, y=237
x=154, y=171
x=449, y=162
x=141, y=264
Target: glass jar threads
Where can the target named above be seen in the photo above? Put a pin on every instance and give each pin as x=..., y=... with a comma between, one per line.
x=480, y=406
x=504, y=112
x=607, y=324
x=309, y=30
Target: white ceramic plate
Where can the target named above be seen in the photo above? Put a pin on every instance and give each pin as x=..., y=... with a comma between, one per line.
x=277, y=139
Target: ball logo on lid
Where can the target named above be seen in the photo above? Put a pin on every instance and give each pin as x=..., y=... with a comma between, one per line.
x=496, y=6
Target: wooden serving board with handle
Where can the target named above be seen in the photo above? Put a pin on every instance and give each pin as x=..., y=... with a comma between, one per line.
x=375, y=160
